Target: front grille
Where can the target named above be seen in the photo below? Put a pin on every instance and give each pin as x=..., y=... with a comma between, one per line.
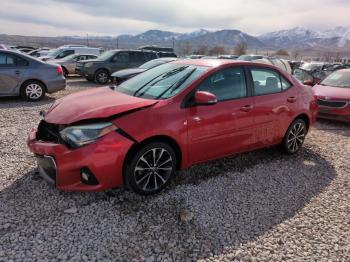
x=332, y=103
x=48, y=132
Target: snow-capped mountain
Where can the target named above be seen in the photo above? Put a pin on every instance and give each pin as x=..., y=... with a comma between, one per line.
x=300, y=37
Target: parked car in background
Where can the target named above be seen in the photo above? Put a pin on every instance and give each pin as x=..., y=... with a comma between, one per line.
x=39, y=52
x=3, y=47
x=28, y=77
x=313, y=73
x=166, y=54
x=68, y=63
x=125, y=74
x=234, y=57
x=100, y=69
x=250, y=57
x=333, y=96
x=67, y=50
x=170, y=117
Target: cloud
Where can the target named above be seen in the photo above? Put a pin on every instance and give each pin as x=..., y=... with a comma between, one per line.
x=112, y=17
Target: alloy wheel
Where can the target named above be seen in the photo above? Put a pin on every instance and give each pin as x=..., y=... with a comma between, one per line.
x=102, y=77
x=296, y=136
x=34, y=91
x=153, y=169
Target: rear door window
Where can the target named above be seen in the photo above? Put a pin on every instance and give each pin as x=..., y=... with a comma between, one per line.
x=137, y=57
x=267, y=81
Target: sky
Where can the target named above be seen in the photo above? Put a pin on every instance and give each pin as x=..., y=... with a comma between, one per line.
x=115, y=17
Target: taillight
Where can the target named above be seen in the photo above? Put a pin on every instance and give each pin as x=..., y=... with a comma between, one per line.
x=59, y=70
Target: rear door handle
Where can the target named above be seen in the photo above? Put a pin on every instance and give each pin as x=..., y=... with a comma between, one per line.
x=17, y=72
x=292, y=99
x=246, y=108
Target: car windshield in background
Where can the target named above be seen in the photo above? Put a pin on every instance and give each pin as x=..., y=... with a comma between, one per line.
x=338, y=79
x=54, y=52
x=69, y=58
x=151, y=64
x=161, y=82
x=311, y=66
x=106, y=55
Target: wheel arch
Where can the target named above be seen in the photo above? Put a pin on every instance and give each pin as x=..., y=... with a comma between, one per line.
x=159, y=138
x=33, y=79
x=305, y=118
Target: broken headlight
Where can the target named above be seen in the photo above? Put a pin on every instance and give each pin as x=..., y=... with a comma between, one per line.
x=77, y=136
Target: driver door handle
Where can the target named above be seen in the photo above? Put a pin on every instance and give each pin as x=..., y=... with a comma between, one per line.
x=247, y=108
x=292, y=99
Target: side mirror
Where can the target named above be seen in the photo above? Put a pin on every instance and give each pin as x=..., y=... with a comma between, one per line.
x=308, y=82
x=205, y=98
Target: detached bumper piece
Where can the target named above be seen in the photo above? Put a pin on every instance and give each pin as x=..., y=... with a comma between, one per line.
x=47, y=168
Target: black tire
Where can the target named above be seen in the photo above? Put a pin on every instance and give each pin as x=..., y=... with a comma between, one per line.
x=148, y=175
x=102, y=76
x=65, y=71
x=32, y=91
x=294, y=137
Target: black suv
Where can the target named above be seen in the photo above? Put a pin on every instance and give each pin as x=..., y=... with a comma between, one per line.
x=100, y=69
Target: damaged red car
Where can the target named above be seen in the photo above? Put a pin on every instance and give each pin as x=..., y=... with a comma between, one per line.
x=168, y=118
x=333, y=96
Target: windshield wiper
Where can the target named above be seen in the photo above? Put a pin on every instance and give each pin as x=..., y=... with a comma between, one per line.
x=164, y=76
x=177, y=84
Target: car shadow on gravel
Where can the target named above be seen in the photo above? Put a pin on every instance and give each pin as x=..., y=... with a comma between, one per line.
x=18, y=102
x=228, y=202
x=334, y=127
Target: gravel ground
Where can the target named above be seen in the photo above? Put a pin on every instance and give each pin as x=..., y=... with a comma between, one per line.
x=260, y=206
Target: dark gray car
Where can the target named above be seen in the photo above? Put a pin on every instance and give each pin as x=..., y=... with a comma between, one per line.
x=100, y=69
x=21, y=74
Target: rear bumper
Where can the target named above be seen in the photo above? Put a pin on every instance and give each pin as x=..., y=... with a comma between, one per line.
x=103, y=158
x=56, y=84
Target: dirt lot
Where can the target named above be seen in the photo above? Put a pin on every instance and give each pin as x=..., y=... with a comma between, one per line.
x=260, y=206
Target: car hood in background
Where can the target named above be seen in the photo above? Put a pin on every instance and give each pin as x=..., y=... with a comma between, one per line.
x=128, y=72
x=95, y=103
x=332, y=92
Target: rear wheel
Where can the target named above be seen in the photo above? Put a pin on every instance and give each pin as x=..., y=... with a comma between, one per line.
x=295, y=136
x=102, y=76
x=32, y=91
x=151, y=168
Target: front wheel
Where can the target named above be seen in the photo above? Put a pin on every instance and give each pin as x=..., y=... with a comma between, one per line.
x=151, y=168
x=295, y=136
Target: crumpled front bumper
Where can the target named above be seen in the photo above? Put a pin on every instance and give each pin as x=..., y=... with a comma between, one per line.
x=104, y=158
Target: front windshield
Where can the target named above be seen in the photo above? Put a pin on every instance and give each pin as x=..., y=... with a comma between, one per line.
x=106, y=55
x=151, y=64
x=54, y=52
x=161, y=82
x=338, y=79
x=69, y=58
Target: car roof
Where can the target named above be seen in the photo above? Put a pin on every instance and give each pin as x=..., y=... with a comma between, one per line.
x=220, y=62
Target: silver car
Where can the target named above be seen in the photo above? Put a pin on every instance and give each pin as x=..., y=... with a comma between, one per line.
x=68, y=63
x=23, y=75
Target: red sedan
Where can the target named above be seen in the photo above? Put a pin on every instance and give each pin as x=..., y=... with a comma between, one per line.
x=168, y=118
x=333, y=96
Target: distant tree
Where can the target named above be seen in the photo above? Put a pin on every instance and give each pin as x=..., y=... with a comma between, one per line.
x=338, y=56
x=328, y=55
x=240, y=49
x=295, y=54
x=217, y=50
x=282, y=52
x=202, y=50
x=185, y=48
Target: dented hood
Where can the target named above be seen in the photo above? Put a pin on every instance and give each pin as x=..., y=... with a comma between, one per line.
x=91, y=104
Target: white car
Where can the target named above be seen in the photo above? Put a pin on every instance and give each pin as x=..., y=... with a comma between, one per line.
x=67, y=50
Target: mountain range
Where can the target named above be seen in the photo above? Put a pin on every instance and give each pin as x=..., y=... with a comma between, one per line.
x=295, y=38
